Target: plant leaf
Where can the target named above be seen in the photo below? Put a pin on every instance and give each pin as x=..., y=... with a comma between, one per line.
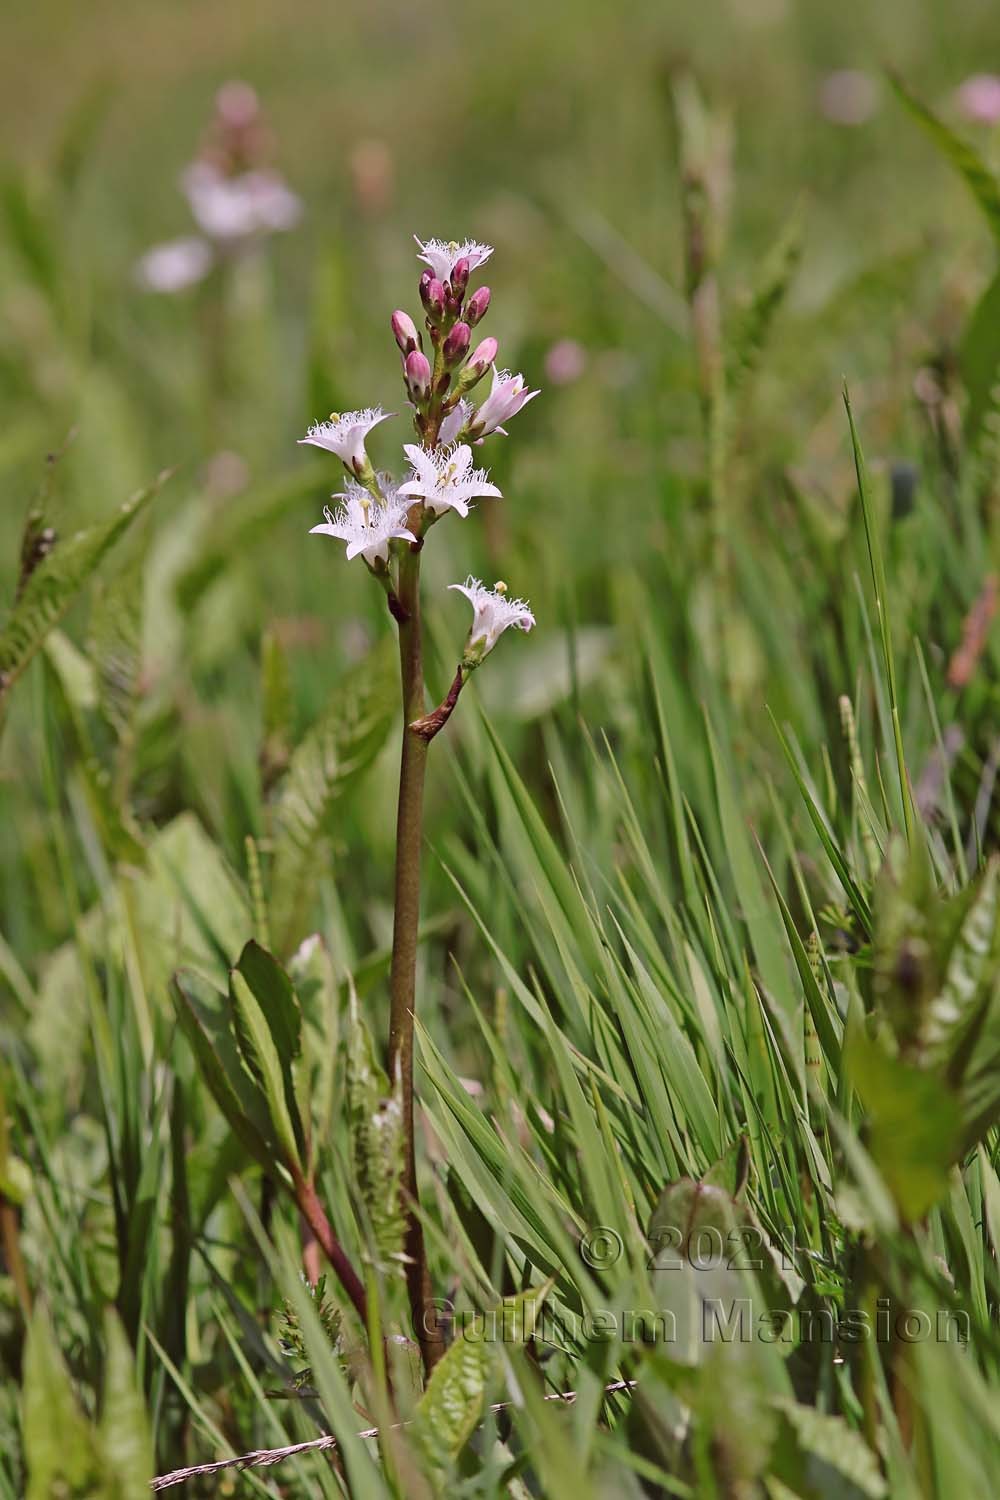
x=453, y=1402
x=59, y=1444
x=375, y=1121
x=980, y=180
x=55, y=583
x=333, y=754
x=125, y=1439
x=206, y=1020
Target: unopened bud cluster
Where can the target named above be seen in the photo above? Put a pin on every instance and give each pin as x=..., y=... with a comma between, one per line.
x=439, y=379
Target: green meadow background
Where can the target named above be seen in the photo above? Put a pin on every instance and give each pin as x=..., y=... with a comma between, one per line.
x=659, y=873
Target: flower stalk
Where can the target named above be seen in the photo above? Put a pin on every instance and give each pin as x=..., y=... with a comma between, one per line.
x=406, y=923
x=386, y=524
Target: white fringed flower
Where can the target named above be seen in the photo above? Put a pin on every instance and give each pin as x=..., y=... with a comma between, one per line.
x=345, y=435
x=507, y=395
x=492, y=613
x=231, y=209
x=442, y=256
x=366, y=525
x=445, y=479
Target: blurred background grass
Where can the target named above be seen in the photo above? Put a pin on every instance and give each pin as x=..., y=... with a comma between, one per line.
x=546, y=130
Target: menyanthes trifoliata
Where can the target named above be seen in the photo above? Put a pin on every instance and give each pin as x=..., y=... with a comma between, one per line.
x=444, y=479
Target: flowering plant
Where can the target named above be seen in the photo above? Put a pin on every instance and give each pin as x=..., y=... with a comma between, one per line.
x=386, y=523
x=236, y=199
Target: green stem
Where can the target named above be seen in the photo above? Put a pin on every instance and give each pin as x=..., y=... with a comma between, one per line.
x=409, y=837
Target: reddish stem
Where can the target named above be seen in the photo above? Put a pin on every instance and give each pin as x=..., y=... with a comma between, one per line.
x=312, y=1211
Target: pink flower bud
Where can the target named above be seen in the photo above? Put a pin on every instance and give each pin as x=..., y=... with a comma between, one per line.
x=477, y=305
x=418, y=375
x=456, y=344
x=432, y=296
x=483, y=356
x=405, y=331
x=460, y=275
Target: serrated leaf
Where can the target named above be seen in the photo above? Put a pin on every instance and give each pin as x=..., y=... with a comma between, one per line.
x=324, y=766
x=969, y=976
x=124, y=1428
x=453, y=1402
x=114, y=644
x=75, y=684
x=55, y=583
x=375, y=1122
x=754, y=328
x=826, y=1460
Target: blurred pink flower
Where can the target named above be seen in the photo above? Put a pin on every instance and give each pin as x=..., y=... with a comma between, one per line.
x=848, y=97
x=978, y=98
x=233, y=209
x=174, y=265
x=234, y=197
x=565, y=362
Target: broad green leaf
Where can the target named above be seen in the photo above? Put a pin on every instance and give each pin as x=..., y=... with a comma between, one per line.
x=276, y=997
x=74, y=684
x=55, y=583
x=913, y=1124
x=979, y=358
x=714, y=1273
x=206, y=1018
x=258, y=1045
x=60, y=1447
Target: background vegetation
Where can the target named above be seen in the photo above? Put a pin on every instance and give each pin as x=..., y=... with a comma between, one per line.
x=690, y=918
